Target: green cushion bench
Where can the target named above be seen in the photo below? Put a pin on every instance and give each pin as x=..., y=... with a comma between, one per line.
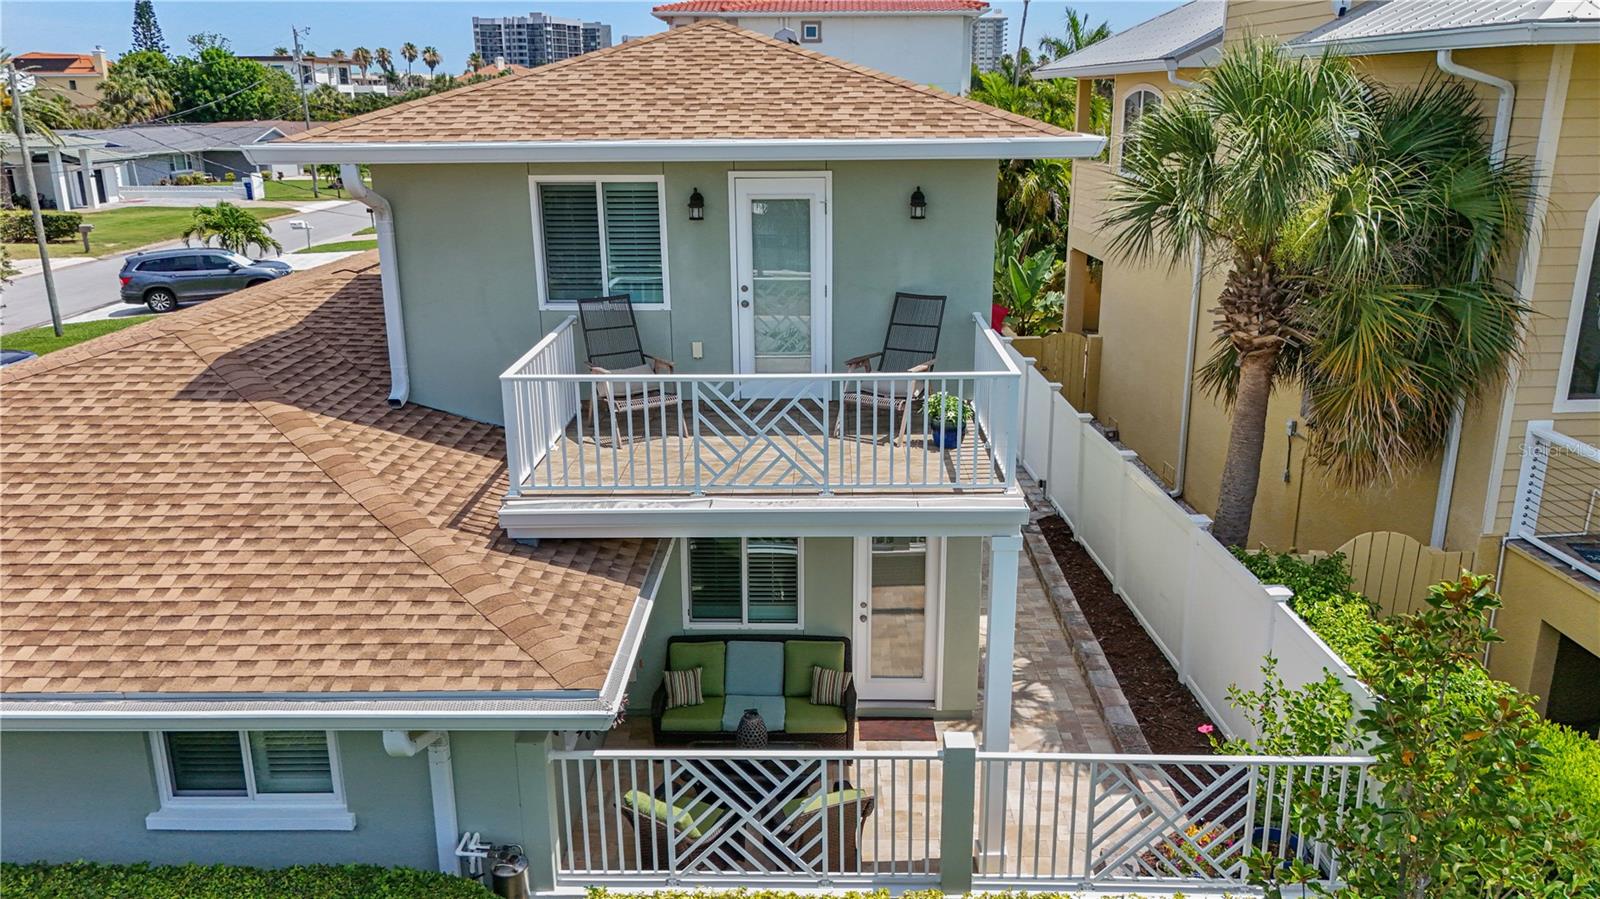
x=740, y=671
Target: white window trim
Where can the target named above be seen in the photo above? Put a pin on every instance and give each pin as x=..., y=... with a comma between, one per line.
x=744, y=623
x=1120, y=113
x=659, y=181
x=282, y=811
x=1569, y=348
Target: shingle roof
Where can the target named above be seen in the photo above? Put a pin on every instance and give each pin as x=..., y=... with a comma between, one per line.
x=709, y=80
x=1145, y=47
x=799, y=7
x=1428, y=21
x=156, y=140
x=221, y=501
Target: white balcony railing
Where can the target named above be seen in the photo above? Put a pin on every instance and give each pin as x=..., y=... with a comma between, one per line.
x=911, y=819
x=754, y=433
x=1558, y=497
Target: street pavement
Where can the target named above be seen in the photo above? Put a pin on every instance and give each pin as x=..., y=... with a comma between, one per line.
x=87, y=286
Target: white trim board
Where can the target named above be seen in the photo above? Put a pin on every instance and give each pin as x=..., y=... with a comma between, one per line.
x=1067, y=146
x=1569, y=342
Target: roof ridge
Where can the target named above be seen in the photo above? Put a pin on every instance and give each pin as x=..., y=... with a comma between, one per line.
x=377, y=114
x=436, y=548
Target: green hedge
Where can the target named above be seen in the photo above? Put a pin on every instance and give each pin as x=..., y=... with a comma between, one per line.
x=1572, y=772
x=17, y=227
x=77, y=880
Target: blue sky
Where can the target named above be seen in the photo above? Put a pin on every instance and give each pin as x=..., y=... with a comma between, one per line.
x=257, y=27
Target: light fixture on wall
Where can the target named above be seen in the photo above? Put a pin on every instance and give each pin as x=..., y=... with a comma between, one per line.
x=919, y=205
x=697, y=206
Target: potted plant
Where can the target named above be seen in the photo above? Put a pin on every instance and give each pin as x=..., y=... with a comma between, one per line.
x=948, y=415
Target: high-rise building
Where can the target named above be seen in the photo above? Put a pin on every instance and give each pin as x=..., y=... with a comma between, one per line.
x=536, y=39
x=988, y=41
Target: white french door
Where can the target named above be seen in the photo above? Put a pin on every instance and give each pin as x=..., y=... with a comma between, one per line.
x=781, y=274
x=899, y=594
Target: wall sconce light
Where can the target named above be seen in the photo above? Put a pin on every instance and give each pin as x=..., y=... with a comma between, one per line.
x=919, y=205
x=697, y=206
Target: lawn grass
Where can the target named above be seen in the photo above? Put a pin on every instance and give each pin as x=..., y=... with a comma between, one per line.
x=341, y=246
x=299, y=190
x=130, y=227
x=367, y=230
x=44, y=340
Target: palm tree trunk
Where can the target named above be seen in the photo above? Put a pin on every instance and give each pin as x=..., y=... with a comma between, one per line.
x=1241, y=472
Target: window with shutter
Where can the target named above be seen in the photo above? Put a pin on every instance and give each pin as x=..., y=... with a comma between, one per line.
x=248, y=780
x=753, y=580
x=601, y=236
x=206, y=763
x=291, y=761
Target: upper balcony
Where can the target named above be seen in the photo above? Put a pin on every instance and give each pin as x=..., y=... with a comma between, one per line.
x=1558, y=498
x=650, y=454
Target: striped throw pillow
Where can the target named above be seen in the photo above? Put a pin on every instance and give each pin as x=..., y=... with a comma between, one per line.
x=828, y=685
x=683, y=688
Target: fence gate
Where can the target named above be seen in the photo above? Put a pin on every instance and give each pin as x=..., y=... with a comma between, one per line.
x=1073, y=360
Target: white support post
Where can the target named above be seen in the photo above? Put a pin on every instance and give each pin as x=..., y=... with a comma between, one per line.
x=442, y=786
x=1004, y=557
x=58, y=180
x=91, y=197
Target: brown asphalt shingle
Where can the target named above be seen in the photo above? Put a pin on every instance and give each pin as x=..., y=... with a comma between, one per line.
x=221, y=501
x=709, y=80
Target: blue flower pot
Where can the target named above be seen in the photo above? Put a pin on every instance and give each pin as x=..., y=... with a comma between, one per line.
x=947, y=438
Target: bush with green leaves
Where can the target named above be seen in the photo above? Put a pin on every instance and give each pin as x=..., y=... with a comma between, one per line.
x=1324, y=600
x=946, y=410
x=17, y=227
x=76, y=880
x=1316, y=719
x=232, y=227
x=1570, y=776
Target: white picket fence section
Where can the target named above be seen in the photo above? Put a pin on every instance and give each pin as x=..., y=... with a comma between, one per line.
x=1210, y=616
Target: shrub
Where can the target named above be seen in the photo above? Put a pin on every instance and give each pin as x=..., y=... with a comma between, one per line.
x=78, y=879
x=1570, y=775
x=229, y=177
x=17, y=227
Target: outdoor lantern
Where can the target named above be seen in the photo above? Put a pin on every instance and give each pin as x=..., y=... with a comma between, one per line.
x=697, y=206
x=919, y=204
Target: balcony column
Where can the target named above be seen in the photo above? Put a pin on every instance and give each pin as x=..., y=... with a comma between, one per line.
x=1004, y=557
x=58, y=180
x=91, y=197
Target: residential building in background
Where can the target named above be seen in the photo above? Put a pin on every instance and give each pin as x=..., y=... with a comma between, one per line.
x=536, y=39
x=75, y=76
x=314, y=71
x=926, y=41
x=1519, y=501
x=989, y=41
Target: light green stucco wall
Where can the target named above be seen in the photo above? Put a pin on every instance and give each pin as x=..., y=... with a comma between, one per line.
x=827, y=592
x=467, y=266
x=85, y=795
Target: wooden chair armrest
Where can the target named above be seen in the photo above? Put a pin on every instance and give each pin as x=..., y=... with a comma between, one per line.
x=861, y=363
x=662, y=366
x=922, y=366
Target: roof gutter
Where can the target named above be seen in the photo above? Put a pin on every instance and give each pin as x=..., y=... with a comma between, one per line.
x=1065, y=146
x=389, y=276
x=1500, y=138
x=1508, y=34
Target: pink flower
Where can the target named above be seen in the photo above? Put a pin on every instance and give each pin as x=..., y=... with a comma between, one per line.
x=1205, y=728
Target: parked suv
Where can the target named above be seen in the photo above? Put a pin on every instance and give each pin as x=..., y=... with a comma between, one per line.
x=161, y=279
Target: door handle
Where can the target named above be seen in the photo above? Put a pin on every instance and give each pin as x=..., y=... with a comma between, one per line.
x=744, y=304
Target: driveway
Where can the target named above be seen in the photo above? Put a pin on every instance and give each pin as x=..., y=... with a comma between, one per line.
x=85, y=286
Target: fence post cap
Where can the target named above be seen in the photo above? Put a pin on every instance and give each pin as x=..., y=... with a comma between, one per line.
x=1278, y=592
x=1128, y=454
x=1085, y=417
x=960, y=739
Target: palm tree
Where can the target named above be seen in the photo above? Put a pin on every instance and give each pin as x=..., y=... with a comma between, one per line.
x=361, y=58
x=127, y=97
x=431, y=59
x=1079, y=34
x=280, y=51
x=384, y=60
x=474, y=62
x=1355, y=222
x=232, y=227
x=409, y=51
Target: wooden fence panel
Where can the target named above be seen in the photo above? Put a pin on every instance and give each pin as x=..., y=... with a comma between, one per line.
x=1072, y=360
x=1394, y=570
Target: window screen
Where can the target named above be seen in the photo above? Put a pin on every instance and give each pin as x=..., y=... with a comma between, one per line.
x=773, y=589
x=571, y=224
x=602, y=239
x=633, y=240
x=206, y=763
x=753, y=580
x=291, y=761
x=715, y=587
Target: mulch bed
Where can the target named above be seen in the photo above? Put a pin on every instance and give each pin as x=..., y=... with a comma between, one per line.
x=1167, y=712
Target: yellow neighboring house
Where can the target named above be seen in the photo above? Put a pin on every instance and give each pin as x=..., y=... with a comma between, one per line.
x=1520, y=489
x=76, y=76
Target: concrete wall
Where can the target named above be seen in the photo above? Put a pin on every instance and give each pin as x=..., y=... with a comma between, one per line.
x=932, y=50
x=828, y=609
x=468, y=273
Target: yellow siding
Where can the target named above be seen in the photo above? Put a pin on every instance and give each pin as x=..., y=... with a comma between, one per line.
x=1541, y=602
x=1274, y=18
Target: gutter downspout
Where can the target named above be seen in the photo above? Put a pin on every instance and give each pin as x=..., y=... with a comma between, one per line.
x=389, y=276
x=1497, y=155
x=441, y=783
x=1181, y=469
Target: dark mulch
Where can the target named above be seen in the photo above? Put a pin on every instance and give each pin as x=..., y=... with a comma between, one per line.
x=1167, y=712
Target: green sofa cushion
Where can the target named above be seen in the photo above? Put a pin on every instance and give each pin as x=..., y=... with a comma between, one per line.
x=705, y=718
x=801, y=717
x=799, y=656
x=755, y=668
x=808, y=804
x=692, y=821
x=711, y=656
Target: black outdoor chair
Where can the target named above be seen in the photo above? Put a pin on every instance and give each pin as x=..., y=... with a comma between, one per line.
x=909, y=347
x=611, y=334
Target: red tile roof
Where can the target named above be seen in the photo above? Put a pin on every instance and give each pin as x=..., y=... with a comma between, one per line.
x=39, y=63
x=221, y=501
x=819, y=7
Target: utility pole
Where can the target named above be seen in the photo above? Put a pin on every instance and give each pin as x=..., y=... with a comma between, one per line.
x=305, y=102
x=33, y=201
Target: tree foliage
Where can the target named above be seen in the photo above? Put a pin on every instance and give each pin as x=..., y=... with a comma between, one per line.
x=217, y=86
x=231, y=227
x=146, y=30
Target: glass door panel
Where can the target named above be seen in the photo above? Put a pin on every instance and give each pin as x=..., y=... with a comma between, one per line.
x=780, y=284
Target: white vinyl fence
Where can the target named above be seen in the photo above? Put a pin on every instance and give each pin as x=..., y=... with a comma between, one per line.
x=1211, y=617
